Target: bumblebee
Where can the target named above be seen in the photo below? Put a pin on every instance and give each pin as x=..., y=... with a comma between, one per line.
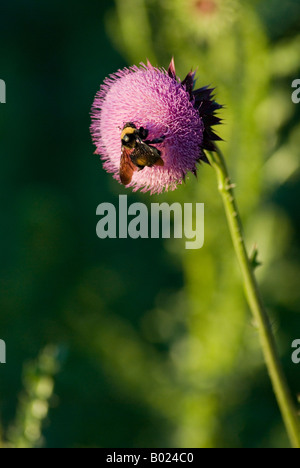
x=137, y=152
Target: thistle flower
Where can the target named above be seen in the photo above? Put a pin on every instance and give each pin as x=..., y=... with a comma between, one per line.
x=169, y=109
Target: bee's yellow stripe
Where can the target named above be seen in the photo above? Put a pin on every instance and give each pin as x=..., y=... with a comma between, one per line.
x=127, y=131
x=142, y=161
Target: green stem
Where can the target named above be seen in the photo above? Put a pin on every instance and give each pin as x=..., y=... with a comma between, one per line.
x=280, y=386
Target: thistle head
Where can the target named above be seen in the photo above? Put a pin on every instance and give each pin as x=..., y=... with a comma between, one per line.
x=175, y=116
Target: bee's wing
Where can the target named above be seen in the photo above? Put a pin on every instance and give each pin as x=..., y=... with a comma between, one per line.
x=127, y=167
x=159, y=162
x=148, y=155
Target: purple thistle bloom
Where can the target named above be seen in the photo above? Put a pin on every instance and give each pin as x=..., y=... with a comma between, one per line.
x=158, y=101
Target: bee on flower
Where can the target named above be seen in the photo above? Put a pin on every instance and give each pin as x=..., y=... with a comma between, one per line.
x=151, y=129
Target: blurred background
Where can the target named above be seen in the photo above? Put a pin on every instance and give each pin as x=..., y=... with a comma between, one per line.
x=93, y=360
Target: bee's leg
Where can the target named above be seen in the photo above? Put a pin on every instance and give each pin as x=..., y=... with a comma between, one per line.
x=143, y=133
x=155, y=141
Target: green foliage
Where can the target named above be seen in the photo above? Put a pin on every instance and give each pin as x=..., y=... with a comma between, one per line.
x=162, y=351
x=33, y=407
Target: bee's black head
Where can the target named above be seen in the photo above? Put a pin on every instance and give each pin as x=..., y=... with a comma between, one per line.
x=129, y=125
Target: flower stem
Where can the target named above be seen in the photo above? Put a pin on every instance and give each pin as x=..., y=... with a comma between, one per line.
x=279, y=382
